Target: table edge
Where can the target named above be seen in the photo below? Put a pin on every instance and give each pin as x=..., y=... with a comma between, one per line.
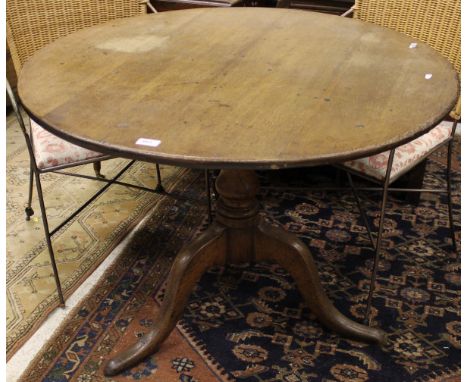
x=211, y=163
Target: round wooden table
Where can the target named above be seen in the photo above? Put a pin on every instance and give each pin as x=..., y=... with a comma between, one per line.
x=238, y=90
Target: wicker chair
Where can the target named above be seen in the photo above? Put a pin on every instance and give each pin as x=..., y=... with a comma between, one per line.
x=32, y=24
x=437, y=23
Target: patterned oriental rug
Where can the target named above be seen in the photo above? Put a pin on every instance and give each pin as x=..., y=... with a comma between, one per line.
x=80, y=246
x=250, y=324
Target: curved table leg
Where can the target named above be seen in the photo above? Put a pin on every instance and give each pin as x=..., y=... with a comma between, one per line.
x=188, y=267
x=275, y=244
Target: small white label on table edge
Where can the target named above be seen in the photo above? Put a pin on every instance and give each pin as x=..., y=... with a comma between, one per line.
x=148, y=142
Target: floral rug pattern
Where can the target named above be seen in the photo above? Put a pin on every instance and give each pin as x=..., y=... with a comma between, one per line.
x=250, y=323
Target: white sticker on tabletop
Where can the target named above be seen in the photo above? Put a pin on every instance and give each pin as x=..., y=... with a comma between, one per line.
x=148, y=142
x=413, y=45
x=428, y=76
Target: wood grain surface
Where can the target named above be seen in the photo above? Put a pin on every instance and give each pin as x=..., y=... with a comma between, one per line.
x=238, y=88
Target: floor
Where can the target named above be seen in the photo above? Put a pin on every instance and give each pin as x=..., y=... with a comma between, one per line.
x=19, y=362
x=26, y=354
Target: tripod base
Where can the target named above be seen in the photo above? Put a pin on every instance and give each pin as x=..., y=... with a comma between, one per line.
x=238, y=235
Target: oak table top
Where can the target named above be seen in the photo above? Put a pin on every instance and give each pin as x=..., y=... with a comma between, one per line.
x=238, y=88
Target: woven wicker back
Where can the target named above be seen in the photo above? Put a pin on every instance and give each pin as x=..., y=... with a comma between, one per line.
x=32, y=24
x=435, y=22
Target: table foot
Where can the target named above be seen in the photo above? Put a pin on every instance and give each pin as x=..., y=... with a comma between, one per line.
x=190, y=264
x=276, y=245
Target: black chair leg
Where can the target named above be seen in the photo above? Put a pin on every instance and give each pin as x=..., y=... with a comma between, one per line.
x=48, y=239
x=375, y=267
x=97, y=170
x=208, y=195
x=28, y=210
x=449, y=194
x=415, y=179
x=213, y=176
x=361, y=210
x=159, y=186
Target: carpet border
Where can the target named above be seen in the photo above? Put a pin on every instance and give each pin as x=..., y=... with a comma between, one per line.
x=67, y=293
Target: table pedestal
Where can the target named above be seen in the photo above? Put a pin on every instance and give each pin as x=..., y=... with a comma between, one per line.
x=239, y=235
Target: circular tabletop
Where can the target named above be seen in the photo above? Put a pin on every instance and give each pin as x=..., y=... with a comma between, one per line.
x=238, y=88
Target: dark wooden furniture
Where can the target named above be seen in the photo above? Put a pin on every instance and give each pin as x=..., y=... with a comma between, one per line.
x=172, y=5
x=327, y=6
x=286, y=89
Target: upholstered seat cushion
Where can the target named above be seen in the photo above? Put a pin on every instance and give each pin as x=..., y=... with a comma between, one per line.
x=51, y=151
x=406, y=156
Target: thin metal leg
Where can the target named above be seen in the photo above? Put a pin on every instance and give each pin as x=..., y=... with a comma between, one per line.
x=97, y=169
x=28, y=210
x=159, y=186
x=208, y=195
x=47, y=235
x=379, y=236
x=213, y=176
x=449, y=193
x=361, y=210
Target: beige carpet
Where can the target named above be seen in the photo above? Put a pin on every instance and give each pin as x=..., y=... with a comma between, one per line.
x=79, y=247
